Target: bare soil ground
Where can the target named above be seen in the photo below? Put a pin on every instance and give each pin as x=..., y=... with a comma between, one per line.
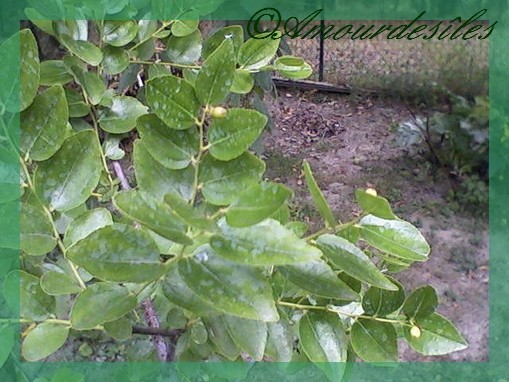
x=350, y=144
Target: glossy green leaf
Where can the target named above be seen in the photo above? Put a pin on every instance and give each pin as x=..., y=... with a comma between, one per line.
x=173, y=149
x=374, y=341
x=121, y=116
x=75, y=29
x=158, y=70
x=157, y=180
x=76, y=103
x=36, y=232
x=68, y=179
x=230, y=136
x=120, y=329
x=146, y=28
x=100, y=303
x=176, y=290
x=118, y=253
x=85, y=50
x=292, y=67
x=183, y=50
x=153, y=214
x=257, y=203
x=256, y=53
x=85, y=224
x=173, y=100
x=381, y=302
x=119, y=33
x=23, y=293
x=396, y=237
x=54, y=72
x=220, y=337
x=438, y=336
x=199, y=333
x=298, y=227
x=318, y=278
x=249, y=335
x=181, y=28
x=42, y=133
x=30, y=68
x=233, y=289
x=350, y=259
x=232, y=32
x=223, y=181
x=243, y=82
x=189, y=214
x=45, y=339
x=421, y=303
x=216, y=75
x=115, y=60
x=322, y=337
x=56, y=283
x=266, y=243
x=374, y=205
x=318, y=197
x=280, y=341
x=146, y=50
x=7, y=341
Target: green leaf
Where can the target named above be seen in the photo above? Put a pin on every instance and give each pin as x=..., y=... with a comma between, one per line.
x=92, y=84
x=220, y=337
x=232, y=32
x=158, y=70
x=56, y=283
x=183, y=50
x=299, y=228
x=146, y=28
x=40, y=21
x=36, y=232
x=318, y=197
x=176, y=290
x=100, y=303
x=374, y=205
x=153, y=214
x=256, y=53
x=323, y=337
x=157, y=180
x=119, y=33
x=438, y=336
x=318, y=278
x=45, y=339
x=381, y=302
x=115, y=60
x=7, y=341
x=121, y=116
x=120, y=329
x=293, y=67
x=85, y=224
x=266, y=243
x=232, y=288
x=68, y=179
x=181, y=28
x=223, y=181
x=280, y=341
x=173, y=100
x=23, y=291
x=249, y=335
x=76, y=103
x=353, y=261
x=230, y=136
x=54, y=72
x=173, y=149
x=199, y=333
x=243, y=82
x=189, y=214
x=216, y=75
x=118, y=253
x=256, y=203
x=374, y=341
x=85, y=50
x=30, y=68
x=75, y=29
x=396, y=237
x=42, y=133
x=421, y=303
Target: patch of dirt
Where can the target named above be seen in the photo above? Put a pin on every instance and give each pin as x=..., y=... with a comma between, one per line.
x=349, y=144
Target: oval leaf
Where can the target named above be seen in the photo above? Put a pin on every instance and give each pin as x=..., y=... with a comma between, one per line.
x=45, y=339
x=85, y=224
x=85, y=50
x=36, y=231
x=189, y=214
x=120, y=329
x=29, y=67
x=57, y=283
x=220, y=337
x=421, y=303
x=353, y=261
x=121, y=116
x=183, y=50
x=100, y=303
x=118, y=253
x=232, y=32
x=115, y=60
x=280, y=341
x=256, y=53
x=68, y=179
x=374, y=205
x=54, y=72
x=243, y=82
x=381, y=302
x=249, y=335
x=182, y=28
x=396, y=237
x=374, y=341
x=119, y=33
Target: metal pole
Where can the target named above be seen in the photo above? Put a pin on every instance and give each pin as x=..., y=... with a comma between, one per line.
x=320, y=63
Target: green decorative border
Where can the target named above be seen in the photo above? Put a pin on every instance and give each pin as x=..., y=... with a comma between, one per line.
x=494, y=370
